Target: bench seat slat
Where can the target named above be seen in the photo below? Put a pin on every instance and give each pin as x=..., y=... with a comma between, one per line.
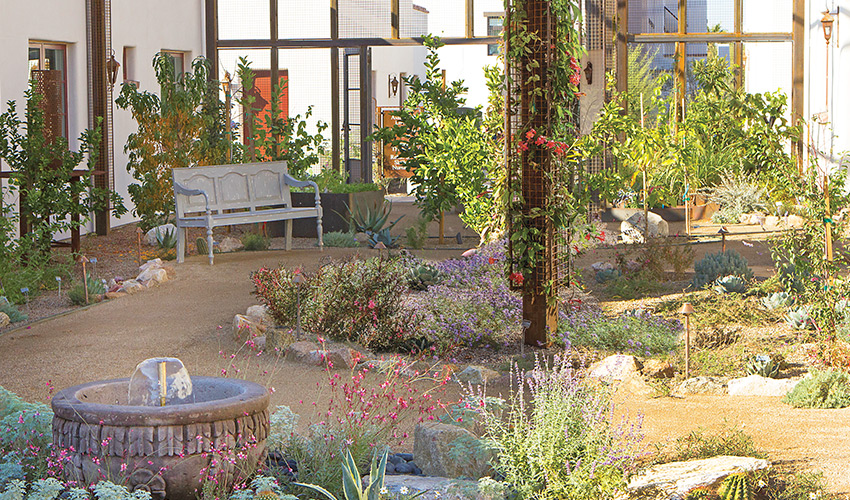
x=250, y=217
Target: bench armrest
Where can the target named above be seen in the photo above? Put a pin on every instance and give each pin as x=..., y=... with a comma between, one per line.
x=180, y=189
x=292, y=181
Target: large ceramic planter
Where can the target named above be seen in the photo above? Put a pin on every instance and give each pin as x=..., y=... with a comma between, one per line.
x=335, y=210
x=166, y=450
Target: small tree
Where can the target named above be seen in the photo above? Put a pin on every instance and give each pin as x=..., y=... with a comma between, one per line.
x=184, y=126
x=42, y=170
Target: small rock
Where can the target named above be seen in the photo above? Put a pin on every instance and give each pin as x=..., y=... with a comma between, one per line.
x=157, y=263
x=404, y=468
x=114, y=295
x=416, y=470
x=162, y=231
x=4, y=320
x=616, y=367
x=390, y=468
x=756, y=385
x=230, y=244
x=260, y=314
x=342, y=357
x=395, y=460
x=259, y=343
x=380, y=246
x=602, y=266
x=279, y=339
x=476, y=375
x=771, y=222
x=302, y=350
x=407, y=457
x=131, y=287
x=469, y=253
x=795, y=221
x=244, y=328
x=673, y=480
x=701, y=385
x=656, y=368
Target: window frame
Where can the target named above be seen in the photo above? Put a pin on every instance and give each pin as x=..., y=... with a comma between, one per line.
x=43, y=46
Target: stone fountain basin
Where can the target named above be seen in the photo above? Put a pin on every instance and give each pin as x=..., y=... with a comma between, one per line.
x=166, y=450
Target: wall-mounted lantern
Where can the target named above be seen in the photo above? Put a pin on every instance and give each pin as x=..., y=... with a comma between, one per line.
x=392, y=81
x=112, y=68
x=588, y=72
x=827, y=20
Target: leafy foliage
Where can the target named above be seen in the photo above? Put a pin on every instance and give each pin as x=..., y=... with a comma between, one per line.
x=635, y=332
x=255, y=242
x=340, y=239
x=183, y=126
x=15, y=315
x=822, y=389
x=77, y=293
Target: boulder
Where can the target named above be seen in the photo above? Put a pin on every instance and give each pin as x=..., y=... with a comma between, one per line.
x=157, y=263
x=616, y=367
x=4, y=320
x=131, y=287
x=434, y=488
x=301, y=350
x=601, y=266
x=632, y=229
x=114, y=295
x=153, y=276
x=230, y=244
x=151, y=235
x=771, y=223
x=278, y=339
x=476, y=375
x=244, y=328
x=701, y=385
x=756, y=385
x=437, y=448
x=341, y=357
x=656, y=368
x=675, y=479
x=260, y=314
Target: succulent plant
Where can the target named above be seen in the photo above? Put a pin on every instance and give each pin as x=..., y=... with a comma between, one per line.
x=799, y=318
x=778, y=300
x=423, y=276
x=366, y=219
x=735, y=487
x=383, y=236
x=201, y=245
x=715, y=265
x=716, y=338
x=764, y=365
x=730, y=284
x=607, y=275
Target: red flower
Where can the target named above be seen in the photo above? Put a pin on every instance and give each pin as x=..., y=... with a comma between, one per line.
x=491, y=260
x=523, y=146
x=530, y=134
x=540, y=140
x=517, y=278
x=575, y=79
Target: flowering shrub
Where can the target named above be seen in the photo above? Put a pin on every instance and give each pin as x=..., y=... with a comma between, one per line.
x=276, y=289
x=557, y=441
x=25, y=437
x=637, y=332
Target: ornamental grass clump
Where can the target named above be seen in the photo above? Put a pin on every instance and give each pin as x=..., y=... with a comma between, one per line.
x=636, y=332
x=556, y=438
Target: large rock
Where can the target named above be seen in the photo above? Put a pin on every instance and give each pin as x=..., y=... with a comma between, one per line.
x=616, y=367
x=476, y=375
x=656, y=368
x=301, y=350
x=230, y=244
x=601, y=266
x=435, y=488
x=131, y=287
x=162, y=231
x=756, y=385
x=449, y=451
x=632, y=229
x=675, y=479
x=701, y=385
x=152, y=276
x=4, y=319
x=244, y=328
x=260, y=314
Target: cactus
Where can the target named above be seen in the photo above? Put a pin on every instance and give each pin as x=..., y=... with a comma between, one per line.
x=421, y=277
x=735, y=487
x=700, y=493
x=799, y=318
x=719, y=264
x=764, y=365
x=730, y=284
x=201, y=245
x=778, y=300
x=607, y=275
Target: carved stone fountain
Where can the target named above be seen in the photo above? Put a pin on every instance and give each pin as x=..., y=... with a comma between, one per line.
x=164, y=445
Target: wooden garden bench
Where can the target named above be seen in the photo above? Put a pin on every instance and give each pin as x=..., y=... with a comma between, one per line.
x=226, y=195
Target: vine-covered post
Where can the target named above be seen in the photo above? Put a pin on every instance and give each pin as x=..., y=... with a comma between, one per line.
x=542, y=72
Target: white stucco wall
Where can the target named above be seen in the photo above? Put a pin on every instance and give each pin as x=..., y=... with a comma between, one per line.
x=148, y=26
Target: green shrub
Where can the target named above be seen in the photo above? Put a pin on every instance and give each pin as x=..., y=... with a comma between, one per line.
x=823, y=389
x=14, y=314
x=343, y=239
x=632, y=286
x=640, y=333
x=254, y=242
x=737, y=194
x=262, y=488
x=276, y=288
x=77, y=293
x=417, y=235
x=556, y=441
x=25, y=434
x=715, y=265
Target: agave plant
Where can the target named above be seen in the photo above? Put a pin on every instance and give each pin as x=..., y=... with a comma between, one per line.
x=607, y=275
x=799, y=318
x=383, y=237
x=421, y=277
x=778, y=300
x=730, y=284
x=371, y=218
x=762, y=364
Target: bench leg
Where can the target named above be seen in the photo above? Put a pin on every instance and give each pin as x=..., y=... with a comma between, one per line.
x=319, y=227
x=210, y=243
x=181, y=244
x=288, y=230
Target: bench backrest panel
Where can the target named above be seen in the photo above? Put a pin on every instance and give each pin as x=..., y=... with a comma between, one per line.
x=233, y=187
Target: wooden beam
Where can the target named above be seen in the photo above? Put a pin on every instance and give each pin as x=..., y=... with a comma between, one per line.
x=739, y=44
x=622, y=45
x=335, y=125
x=275, y=73
x=365, y=114
x=394, y=19
x=710, y=37
x=681, y=58
x=100, y=100
x=798, y=75
x=325, y=43
x=470, y=19
x=211, y=34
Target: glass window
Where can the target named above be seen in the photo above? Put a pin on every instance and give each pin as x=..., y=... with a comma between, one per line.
x=494, y=28
x=47, y=66
x=179, y=60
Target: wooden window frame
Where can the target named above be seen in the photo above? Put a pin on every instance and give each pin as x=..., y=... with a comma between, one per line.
x=42, y=46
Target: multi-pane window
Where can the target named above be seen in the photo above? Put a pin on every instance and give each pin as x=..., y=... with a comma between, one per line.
x=48, y=69
x=179, y=60
x=494, y=28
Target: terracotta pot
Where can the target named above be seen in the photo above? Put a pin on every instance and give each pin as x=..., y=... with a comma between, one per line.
x=161, y=449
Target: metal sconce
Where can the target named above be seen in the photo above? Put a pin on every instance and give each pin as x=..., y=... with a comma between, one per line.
x=588, y=72
x=827, y=20
x=392, y=81
x=112, y=68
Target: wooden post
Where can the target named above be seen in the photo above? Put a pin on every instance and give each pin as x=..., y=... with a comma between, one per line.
x=798, y=75
x=335, y=125
x=739, y=45
x=687, y=346
x=394, y=19
x=211, y=35
x=622, y=46
x=139, y=243
x=470, y=19
x=681, y=57
x=827, y=223
x=83, y=260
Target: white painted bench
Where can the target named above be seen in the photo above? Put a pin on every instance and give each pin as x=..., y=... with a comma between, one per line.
x=226, y=195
